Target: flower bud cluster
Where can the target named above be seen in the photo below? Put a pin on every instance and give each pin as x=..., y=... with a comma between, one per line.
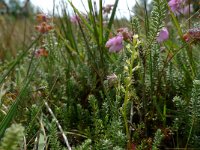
x=44, y=27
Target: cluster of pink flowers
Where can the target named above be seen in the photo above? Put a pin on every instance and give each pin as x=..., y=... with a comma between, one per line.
x=43, y=26
x=180, y=7
x=115, y=44
x=192, y=35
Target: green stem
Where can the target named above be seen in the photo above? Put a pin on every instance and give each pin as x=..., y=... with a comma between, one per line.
x=151, y=73
x=190, y=133
x=126, y=98
x=143, y=94
x=164, y=112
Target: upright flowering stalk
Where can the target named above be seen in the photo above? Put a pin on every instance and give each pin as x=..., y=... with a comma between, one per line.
x=44, y=27
x=163, y=35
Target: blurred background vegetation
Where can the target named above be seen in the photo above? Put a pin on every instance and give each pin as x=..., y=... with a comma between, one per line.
x=16, y=26
x=17, y=22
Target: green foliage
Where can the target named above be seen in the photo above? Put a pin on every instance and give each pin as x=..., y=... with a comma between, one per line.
x=13, y=109
x=86, y=145
x=13, y=137
x=32, y=124
x=182, y=109
x=106, y=133
x=157, y=139
x=194, y=104
x=194, y=111
x=97, y=122
x=187, y=116
x=135, y=25
x=157, y=19
x=53, y=137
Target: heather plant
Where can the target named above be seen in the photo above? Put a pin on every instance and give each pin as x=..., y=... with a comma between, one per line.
x=87, y=81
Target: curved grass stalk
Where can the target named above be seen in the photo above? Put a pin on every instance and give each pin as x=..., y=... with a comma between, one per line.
x=58, y=124
x=190, y=132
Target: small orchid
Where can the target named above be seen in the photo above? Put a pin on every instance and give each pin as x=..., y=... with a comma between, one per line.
x=163, y=35
x=115, y=44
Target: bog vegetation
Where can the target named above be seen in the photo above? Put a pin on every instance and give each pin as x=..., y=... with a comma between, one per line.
x=90, y=80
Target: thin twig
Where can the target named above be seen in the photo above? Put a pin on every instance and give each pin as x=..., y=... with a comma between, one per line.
x=43, y=130
x=59, y=126
x=25, y=147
